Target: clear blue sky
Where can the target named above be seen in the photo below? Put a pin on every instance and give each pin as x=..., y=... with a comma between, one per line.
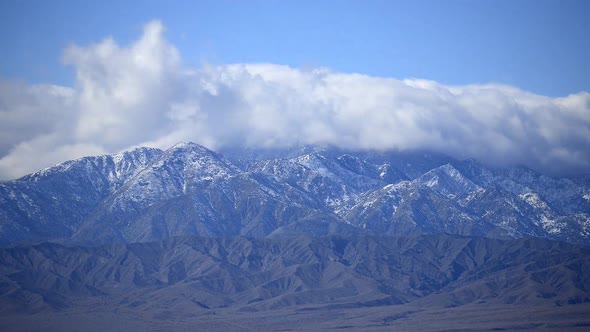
x=540, y=46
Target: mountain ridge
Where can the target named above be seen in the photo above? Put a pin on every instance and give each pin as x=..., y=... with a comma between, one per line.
x=148, y=194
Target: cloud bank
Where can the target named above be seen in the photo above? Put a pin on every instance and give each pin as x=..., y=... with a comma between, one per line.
x=143, y=95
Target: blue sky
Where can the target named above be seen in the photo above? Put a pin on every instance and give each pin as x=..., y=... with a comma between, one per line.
x=539, y=46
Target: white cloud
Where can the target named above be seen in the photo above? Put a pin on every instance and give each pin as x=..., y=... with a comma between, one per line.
x=29, y=111
x=142, y=94
x=123, y=92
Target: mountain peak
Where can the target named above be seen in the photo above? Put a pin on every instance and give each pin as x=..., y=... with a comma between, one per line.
x=189, y=152
x=188, y=145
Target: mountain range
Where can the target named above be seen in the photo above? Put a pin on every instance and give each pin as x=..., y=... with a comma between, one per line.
x=148, y=195
x=260, y=239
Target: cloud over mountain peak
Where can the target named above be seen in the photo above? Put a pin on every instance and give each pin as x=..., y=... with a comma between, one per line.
x=143, y=94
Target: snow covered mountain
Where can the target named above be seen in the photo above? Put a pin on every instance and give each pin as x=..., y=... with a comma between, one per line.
x=54, y=202
x=149, y=194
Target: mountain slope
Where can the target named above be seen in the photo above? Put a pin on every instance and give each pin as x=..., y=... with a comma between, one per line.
x=54, y=202
x=191, y=190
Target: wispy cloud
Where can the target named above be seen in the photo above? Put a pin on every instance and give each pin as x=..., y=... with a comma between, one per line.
x=143, y=94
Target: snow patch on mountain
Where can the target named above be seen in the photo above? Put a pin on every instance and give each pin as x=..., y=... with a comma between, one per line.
x=552, y=226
